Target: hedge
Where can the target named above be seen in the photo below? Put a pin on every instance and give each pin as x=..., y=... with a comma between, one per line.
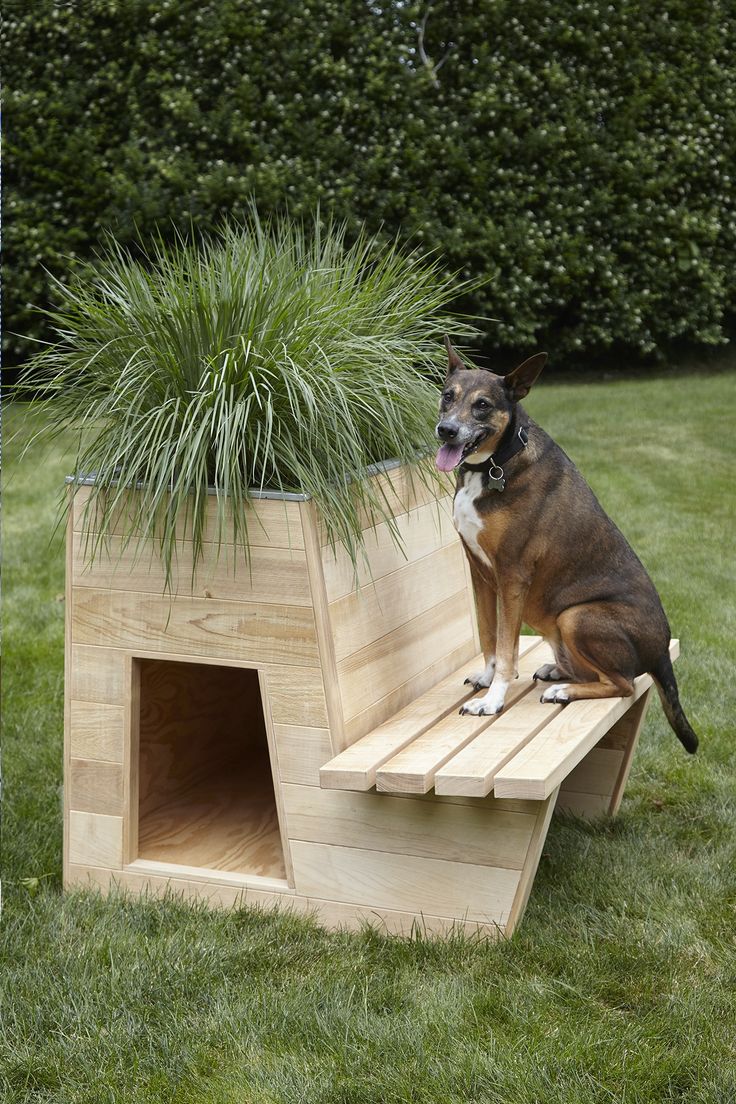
x=577, y=155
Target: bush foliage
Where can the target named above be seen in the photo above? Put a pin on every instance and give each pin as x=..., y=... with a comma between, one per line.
x=576, y=154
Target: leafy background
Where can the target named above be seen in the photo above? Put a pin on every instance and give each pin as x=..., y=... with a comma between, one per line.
x=578, y=155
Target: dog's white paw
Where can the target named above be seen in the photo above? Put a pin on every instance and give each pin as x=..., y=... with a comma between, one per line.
x=488, y=705
x=558, y=694
x=480, y=707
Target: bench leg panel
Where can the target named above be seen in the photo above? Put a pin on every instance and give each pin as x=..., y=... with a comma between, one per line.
x=596, y=786
x=531, y=862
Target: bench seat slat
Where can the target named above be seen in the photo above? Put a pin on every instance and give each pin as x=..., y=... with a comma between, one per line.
x=413, y=769
x=471, y=772
x=546, y=760
x=355, y=767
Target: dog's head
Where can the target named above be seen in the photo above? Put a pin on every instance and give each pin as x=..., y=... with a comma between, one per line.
x=477, y=406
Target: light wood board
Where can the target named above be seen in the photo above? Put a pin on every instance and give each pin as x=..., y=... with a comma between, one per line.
x=373, y=672
x=546, y=760
x=479, y=834
x=420, y=532
x=413, y=769
x=277, y=575
x=261, y=633
x=272, y=523
x=404, y=882
x=380, y=607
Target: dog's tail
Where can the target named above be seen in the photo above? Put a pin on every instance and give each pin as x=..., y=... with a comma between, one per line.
x=664, y=677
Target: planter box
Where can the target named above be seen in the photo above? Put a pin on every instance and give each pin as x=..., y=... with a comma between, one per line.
x=196, y=726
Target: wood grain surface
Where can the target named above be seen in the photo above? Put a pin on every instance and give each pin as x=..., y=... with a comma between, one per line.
x=261, y=633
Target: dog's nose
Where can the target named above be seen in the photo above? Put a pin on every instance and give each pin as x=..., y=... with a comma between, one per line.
x=447, y=431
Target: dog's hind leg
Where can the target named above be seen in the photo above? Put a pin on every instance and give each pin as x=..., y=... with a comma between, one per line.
x=560, y=669
x=600, y=654
x=549, y=672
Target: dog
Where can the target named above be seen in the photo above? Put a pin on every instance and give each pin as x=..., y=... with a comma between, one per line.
x=543, y=551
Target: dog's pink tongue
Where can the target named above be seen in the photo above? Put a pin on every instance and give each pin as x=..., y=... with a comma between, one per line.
x=449, y=457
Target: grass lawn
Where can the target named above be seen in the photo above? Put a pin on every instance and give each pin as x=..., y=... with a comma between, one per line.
x=620, y=984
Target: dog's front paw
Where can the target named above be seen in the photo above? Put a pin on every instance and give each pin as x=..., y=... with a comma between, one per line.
x=478, y=707
x=481, y=680
x=488, y=705
x=558, y=694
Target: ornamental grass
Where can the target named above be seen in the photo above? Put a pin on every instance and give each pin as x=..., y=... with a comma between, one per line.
x=268, y=357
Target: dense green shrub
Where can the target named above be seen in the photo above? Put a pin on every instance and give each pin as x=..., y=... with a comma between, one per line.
x=578, y=154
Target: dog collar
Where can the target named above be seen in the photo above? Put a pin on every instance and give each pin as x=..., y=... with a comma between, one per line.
x=514, y=440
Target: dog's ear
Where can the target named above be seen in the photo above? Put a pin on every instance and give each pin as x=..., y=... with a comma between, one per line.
x=454, y=363
x=518, y=383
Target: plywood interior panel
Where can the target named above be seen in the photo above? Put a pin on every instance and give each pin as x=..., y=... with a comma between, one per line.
x=206, y=795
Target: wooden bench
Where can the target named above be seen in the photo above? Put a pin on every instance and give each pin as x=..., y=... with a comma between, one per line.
x=528, y=760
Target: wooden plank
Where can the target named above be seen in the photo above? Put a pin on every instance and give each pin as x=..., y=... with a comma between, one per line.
x=338, y=915
x=192, y=626
x=531, y=864
x=301, y=751
x=132, y=759
x=400, y=489
x=421, y=531
x=323, y=628
x=460, y=833
x=407, y=883
x=95, y=839
x=276, y=777
x=217, y=888
x=596, y=773
x=376, y=609
x=270, y=574
x=297, y=695
x=355, y=768
x=383, y=709
x=376, y=670
x=96, y=731
x=331, y=914
x=272, y=523
x=96, y=674
x=628, y=730
x=413, y=769
x=548, y=758
x=68, y=686
x=475, y=766
x=96, y=787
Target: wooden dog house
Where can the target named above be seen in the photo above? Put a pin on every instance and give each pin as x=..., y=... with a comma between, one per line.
x=274, y=734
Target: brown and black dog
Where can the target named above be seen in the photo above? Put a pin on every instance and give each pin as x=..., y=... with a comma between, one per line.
x=542, y=550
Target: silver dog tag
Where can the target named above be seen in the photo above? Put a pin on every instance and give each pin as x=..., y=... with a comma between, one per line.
x=496, y=480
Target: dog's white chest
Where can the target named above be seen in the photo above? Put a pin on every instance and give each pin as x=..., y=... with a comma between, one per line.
x=468, y=521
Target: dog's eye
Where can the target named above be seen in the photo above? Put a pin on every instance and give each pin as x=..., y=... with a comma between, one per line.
x=448, y=396
x=482, y=404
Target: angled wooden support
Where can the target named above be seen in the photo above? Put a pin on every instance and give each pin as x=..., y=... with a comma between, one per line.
x=596, y=786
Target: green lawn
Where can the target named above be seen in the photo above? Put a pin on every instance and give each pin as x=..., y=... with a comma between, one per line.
x=619, y=986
